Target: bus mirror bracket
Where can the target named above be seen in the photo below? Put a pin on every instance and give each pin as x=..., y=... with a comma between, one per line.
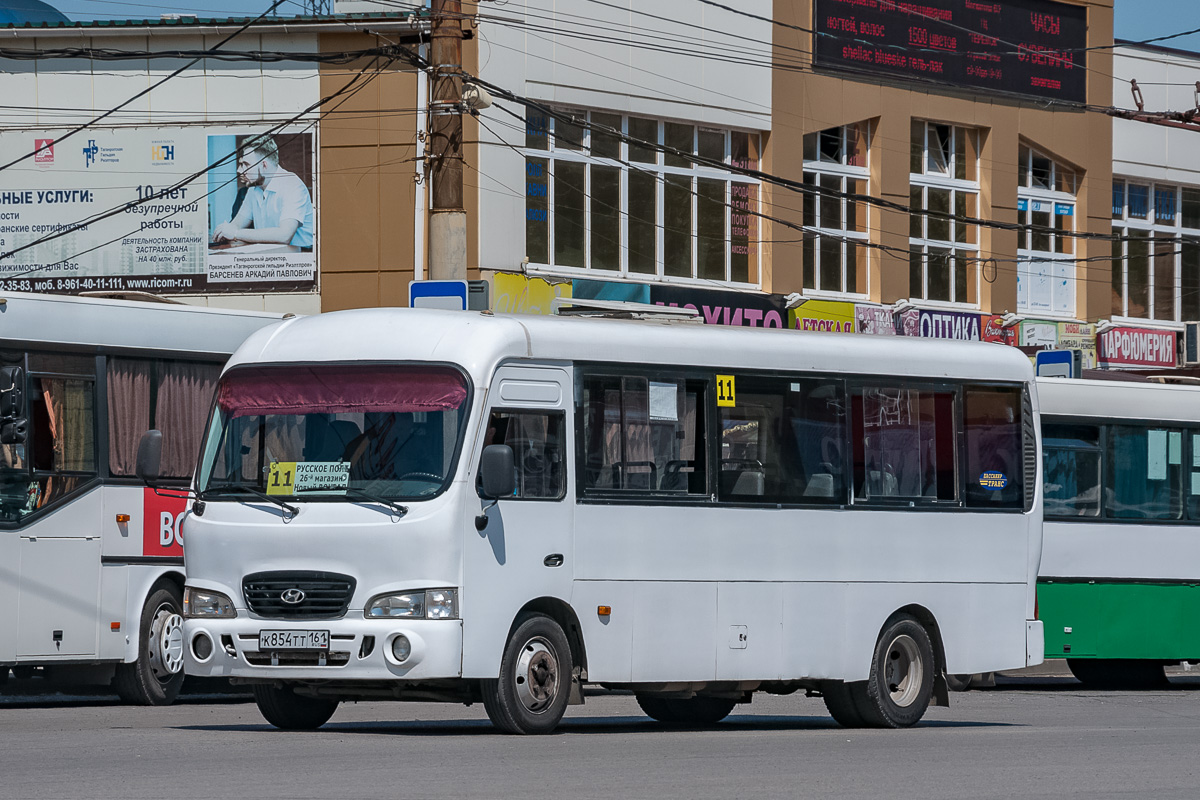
x=149, y=457
x=497, y=472
x=12, y=395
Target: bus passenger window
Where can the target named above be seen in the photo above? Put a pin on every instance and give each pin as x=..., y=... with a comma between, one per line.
x=1145, y=473
x=993, y=437
x=783, y=442
x=1071, y=470
x=904, y=445
x=536, y=439
x=643, y=435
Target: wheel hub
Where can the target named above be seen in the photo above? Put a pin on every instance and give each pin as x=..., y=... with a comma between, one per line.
x=166, y=643
x=904, y=670
x=537, y=675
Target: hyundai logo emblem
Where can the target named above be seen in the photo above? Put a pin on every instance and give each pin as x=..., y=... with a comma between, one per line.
x=292, y=597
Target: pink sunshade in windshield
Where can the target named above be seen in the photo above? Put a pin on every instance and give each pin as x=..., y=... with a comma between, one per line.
x=337, y=389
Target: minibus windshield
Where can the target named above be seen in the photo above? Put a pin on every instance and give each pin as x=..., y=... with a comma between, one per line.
x=334, y=432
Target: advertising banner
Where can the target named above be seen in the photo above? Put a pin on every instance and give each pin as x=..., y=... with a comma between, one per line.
x=823, y=315
x=1079, y=336
x=948, y=325
x=145, y=209
x=993, y=331
x=1038, y=334
x=724, y=308
x=518, y=294
x=879, y=320
x=1136, y=347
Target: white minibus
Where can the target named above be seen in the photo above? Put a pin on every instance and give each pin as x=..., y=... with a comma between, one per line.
x=431, y=505
x=91, y=562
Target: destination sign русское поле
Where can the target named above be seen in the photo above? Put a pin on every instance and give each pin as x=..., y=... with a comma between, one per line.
x=1029, y=47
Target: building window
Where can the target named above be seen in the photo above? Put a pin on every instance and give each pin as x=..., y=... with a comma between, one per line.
x=597, y=204
x=835, y=164
x=1155, y=250
x=1046, y=193
x=943, y=191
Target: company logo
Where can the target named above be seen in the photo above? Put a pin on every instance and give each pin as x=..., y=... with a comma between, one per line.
x=292, y=596
x=90, y=152
x=43, y=151
x=993, y=481
x=162, y=153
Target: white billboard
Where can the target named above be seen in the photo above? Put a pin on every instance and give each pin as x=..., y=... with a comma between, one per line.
x=145, y=209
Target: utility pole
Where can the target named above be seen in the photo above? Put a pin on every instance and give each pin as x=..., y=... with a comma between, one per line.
x=448, y=220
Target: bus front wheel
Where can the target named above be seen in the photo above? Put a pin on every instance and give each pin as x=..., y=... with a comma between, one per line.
x=155, y=677
x=534, y=686
x=285, y=709
x=697, y=710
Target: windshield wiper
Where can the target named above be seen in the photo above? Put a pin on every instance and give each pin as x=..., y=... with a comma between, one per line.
x=288, y=507
x=399, y=509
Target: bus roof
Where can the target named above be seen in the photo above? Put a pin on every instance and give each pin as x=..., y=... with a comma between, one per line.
x=1118, y=399
x=478, y=341
x=91, y=322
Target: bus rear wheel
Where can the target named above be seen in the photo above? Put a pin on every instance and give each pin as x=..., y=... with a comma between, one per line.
x=1118, y=673
x=900, y=686
x=697, y=710
x=534, y=686
x=155, y=678
x=288, y=711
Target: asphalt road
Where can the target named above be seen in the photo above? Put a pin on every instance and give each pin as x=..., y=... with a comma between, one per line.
x=1032, y=737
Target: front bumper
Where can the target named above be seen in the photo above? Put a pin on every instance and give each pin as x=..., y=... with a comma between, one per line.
x=352, y=654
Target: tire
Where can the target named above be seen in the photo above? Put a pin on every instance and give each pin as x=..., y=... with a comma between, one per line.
x=1118, y=673
x=840, y=701
x=958, y=682
x=900, y=686
x=289, y=711
x=155, y=678
x=531, y=694
x=696, y=711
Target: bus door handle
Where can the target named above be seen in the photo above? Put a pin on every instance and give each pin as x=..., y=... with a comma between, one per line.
x=553, y=560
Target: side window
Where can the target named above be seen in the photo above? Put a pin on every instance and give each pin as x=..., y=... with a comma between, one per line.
x=1193, y=487
x=992, y=417
x=643, y=435
x=904, y=444
x=1144, y=473
x=1071, y=470
x=62, y=441
x=782, y=442
x=537, y=439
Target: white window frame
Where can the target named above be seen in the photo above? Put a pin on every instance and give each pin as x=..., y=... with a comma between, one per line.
x=1155, y=230
x=934, y=180
x=661, y=171
x=844, y=172
x=1034, y=265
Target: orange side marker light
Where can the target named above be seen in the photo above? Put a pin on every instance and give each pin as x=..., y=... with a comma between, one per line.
x=604, y=611
x=122, y=518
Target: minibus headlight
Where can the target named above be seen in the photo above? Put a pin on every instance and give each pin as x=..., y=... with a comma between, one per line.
x=203, y=604
x=428, y=604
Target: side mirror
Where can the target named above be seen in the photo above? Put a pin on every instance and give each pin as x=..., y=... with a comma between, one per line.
x=12, y=393
x=14, y=431
x=149, y=456
x=497, y=469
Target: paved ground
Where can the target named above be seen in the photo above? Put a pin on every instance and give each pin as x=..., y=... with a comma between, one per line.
x=1037, y=735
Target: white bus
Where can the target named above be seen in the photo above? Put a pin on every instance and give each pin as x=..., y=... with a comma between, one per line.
x=693, y=513
x=1120, y=580
x=91, y=567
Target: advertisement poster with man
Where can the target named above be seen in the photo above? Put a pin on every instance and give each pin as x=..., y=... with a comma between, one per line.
x=181, y=210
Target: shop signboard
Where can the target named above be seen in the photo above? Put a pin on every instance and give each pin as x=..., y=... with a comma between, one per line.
x=716, y=307
x=158, y=210
x=1035, y=333
x=879, y=320
x=933, y=324
x=1136, y=347
x=830, y=316
x=1079, y=336
x=519, y=294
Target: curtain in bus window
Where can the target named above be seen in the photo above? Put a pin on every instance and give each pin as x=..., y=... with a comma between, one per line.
x=1145, y=473
x=70, y=421
x=128, y=411
x=182, y=403
x=908, y=444
x=993, y=434
x=331, y=389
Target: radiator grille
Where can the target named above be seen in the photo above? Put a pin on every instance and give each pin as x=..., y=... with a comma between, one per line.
x=326, y=595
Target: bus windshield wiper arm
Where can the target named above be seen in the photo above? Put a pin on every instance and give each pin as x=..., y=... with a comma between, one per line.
x=288, y=507
x=399, y=509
